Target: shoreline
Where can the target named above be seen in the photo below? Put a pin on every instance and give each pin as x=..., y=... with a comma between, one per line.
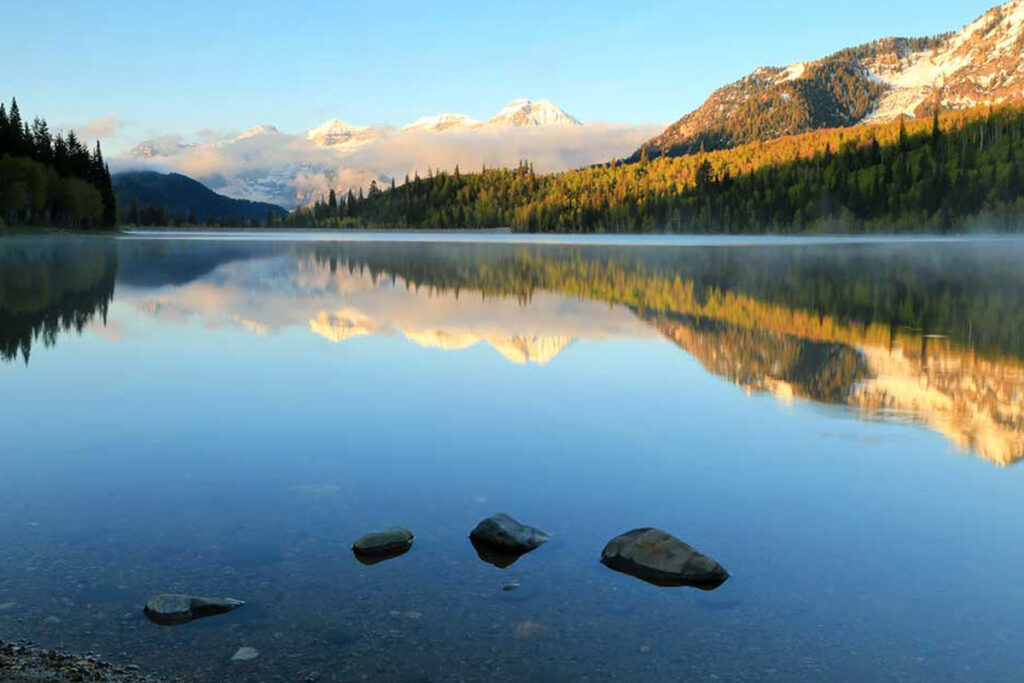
x=25, y=662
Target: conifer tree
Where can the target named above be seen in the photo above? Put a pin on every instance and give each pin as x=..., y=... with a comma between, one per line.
x=4, y=128
x=15, y=145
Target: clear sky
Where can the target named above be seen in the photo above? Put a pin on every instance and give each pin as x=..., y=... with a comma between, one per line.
x=181, y=67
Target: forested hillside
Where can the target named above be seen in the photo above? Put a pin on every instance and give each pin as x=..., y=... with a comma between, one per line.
x=960, y=170
x=151, y=198
x=51, y=180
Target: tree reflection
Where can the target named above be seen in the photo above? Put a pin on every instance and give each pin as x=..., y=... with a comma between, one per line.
x=49, y=286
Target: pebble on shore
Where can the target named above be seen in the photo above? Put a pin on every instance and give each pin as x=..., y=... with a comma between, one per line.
x=28, y=663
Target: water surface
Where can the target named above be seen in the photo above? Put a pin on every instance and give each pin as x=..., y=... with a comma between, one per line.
x=836, y=422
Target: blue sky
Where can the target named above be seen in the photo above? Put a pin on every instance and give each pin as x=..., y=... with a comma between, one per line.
x=180, y=67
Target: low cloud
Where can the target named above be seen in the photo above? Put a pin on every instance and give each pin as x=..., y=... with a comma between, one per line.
x=548, y=149
x=291, y=170
x=99, y=129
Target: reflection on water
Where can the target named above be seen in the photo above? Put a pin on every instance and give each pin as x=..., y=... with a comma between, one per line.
x=223, y=417
x=925, y=332
x=48, y=287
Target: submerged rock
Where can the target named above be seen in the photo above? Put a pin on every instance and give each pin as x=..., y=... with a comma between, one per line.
x=171, y=609
x=245, y=654
x=383, y=544
x=502, y=559
x=518, y=591
x=501, y=532
x=662, y=559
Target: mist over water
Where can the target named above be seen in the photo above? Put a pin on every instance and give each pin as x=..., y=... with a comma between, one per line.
x=836, y=421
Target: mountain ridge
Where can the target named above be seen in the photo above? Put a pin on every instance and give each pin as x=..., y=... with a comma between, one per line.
x=876, y=82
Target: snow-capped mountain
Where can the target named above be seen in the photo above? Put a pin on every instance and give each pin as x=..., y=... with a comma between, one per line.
x=337, y=133
x=521, y=113
x=262, y=129
x=440, y=123
x=981, y=64
x=527, y=113
x=297, y=168
x=157, y=147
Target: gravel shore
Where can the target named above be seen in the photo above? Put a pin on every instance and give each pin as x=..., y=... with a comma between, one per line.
x=25, y=662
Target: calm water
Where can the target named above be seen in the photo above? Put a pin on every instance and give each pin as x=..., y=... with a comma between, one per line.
x=836, y=423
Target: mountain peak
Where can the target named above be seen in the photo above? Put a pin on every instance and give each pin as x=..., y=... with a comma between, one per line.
x=165, y=146
x=338, y=133
x=261, y=129
x=440, y=123
x=523, y=113
x=981, y=64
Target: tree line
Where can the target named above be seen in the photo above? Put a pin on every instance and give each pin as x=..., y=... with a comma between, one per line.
x=160, y=216
x=51, y=179
x=956, y=171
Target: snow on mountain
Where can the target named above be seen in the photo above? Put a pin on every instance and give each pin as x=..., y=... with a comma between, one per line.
x=441, y=123
x=792, y=73
x=524, y=113
x=521, y=113
x=877, y=82
x=296, y=169
x=262, y=129
x=157, y=147
x=338, y=134
x=981, y=64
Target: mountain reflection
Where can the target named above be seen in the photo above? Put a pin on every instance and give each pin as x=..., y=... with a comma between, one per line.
x=932, y=333
x=346, y=324
x=914, y=331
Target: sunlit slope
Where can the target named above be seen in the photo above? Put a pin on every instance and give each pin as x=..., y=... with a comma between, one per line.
x=960, y=170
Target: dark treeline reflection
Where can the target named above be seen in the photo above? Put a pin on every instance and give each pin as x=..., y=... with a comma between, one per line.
x=970, y=292
x=932, y=332
x=48, y=286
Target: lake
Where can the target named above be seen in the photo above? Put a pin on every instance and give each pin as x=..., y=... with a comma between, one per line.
x=837, y=422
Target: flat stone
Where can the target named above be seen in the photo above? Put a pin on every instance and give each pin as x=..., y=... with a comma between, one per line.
x=502, y=532
x=395, y=540
x=662, y=559
x=172, y=609
x=245, y=654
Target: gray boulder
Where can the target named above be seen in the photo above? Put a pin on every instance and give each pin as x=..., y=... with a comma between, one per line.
x=662, y=559
x=172, y=609
x=501, y=532
x=393, y=541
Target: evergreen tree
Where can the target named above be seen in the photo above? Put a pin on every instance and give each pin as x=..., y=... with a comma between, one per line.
x=15, y=143
x=4, y=131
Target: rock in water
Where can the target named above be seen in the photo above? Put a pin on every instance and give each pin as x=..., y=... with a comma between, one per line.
x=501, y=540
x=504, y=533
x=171, y=609
x=383, y=544
x=662, y=559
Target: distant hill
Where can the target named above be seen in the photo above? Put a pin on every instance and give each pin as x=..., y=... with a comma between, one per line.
x=180, y=196
x=874, y=83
